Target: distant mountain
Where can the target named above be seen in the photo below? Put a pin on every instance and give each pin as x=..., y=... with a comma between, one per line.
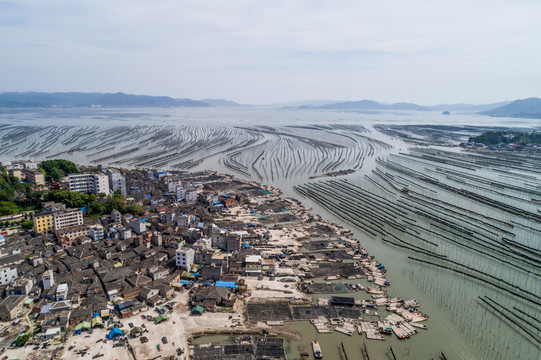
x=528, y=108
x=467, y=107
x=371, y=105
x=220, y=102
x=304, y=103
x=77, y=99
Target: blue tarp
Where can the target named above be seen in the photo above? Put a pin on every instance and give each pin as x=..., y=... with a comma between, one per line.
x=143, y=220
x=200, y=225
x=207, y=283
x=196, y=274
x=283, y=255
x=114, y=333
x=134, y=188
x=227, y=284
x=250, y=225
x=184, y=282
x=253, y=211
x=216, y=203
x=148, y=195
x=246, y=245
x=46, y=308
x=96, y=314
x=226, y=196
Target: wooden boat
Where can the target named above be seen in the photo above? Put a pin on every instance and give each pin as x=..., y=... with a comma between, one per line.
x=317, y=350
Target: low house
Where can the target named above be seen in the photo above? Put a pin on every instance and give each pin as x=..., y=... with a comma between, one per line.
x=10, y=306
x=212, y=296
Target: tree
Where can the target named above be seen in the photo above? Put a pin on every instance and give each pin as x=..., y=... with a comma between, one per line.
x=27, y=224
x=8, y=208
x=56, y=169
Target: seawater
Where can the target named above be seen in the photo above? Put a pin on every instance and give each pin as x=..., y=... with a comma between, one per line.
x=444, y=333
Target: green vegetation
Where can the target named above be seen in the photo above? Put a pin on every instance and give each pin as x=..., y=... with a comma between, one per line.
x=507, y=137
x=97, y=205
x=57, y=169
x=14, y=195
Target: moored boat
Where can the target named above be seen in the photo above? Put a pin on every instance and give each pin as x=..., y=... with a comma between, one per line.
x=317, y=350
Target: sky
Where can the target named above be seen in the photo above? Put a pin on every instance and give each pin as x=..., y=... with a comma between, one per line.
x=261, y=52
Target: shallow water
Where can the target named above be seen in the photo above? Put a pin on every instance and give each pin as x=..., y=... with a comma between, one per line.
x=457, y=326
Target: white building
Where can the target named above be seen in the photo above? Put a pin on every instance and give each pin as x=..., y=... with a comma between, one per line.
x=138, y=226
x=184, y=258
x=181, y=193
x=48, y=279
x=7, y=274
x=68, y=218
x=191, y=195
x=185, y=220
x=96, y=232
x=89, y=183
x=62, y=292
x=116, y=181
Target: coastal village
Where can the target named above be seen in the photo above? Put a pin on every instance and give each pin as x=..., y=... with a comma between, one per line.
x=208, y=255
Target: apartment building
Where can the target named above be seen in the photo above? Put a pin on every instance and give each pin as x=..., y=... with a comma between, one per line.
x=34, y=177
x=7, y=274
x=43, y=222
x=116, y=181
x=184, y=258
x=89, y=183
x=67, y=218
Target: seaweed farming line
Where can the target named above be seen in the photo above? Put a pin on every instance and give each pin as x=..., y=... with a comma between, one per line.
x=265, y=153
x=463, y=231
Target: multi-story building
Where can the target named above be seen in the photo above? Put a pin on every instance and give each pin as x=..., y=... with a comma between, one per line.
x=184, y=258
x=191, y=195
x=116, y=181
x=67, y=235
x=97, y=232
x=7, y=274
x=43, y=222
x=89, y=183
x=48, y=279
x=56, y=218
x=68, y=218
x=34, y=177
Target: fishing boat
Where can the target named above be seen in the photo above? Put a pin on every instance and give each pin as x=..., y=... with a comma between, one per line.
x=317, y=350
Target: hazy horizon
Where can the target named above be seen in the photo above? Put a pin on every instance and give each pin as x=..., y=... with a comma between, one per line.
x=275, y=52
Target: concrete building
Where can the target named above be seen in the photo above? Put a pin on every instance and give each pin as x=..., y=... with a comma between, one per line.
x=10, y=306
x=184, y=258
x=34, y=177
x=89, y=183
x=7, y=274
x=43, y=222
x=68, y=218
x=62, y=292
x=253, y=265
x=48, y=279
x=191, y=195
x=116, y=216
x=116, y=181
x=96, y=232
x=57, y=219
x=20, y=287
x=138, y=226
x=67, y=235
x=16, y=172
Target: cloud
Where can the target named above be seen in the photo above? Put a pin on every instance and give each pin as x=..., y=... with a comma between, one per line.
x=248, y=50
